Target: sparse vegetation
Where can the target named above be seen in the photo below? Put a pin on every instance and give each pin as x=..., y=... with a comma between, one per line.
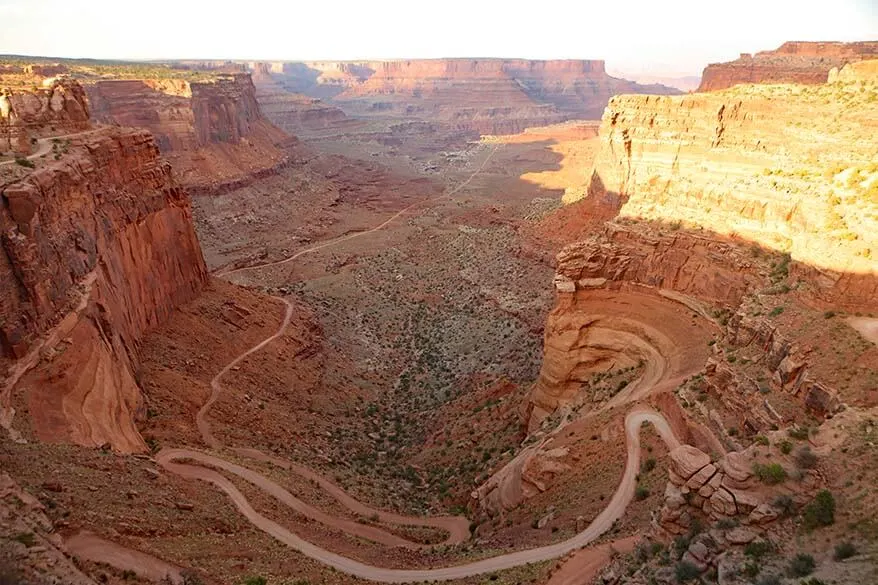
x=641, y=492
x=25, y=162
x=820, y=512
x=801, y=565
x=770, y=473
x=685, y=572
x=844, y=550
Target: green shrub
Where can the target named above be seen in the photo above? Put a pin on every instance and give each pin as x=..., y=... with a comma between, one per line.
x=786, y=447
x=801, y=565
x=641, y=493
x=775, y=312
x=26, y=538
x=820, y=512
x=686, y=572
x=255, y=580
x=648, y=465
x=758, y=549
x=25, y=162
x=770, y=474
x=798, y=433
x=762, y=440
x=844, y=550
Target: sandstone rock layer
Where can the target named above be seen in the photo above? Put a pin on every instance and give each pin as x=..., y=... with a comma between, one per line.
x=99, y=248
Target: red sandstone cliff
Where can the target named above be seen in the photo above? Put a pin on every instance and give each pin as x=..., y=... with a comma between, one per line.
x=98, y=248
x=213, y=132
x=59, y=106
x=792, y=62
x=477, y=95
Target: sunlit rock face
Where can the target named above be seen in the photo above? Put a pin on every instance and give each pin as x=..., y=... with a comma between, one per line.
x=792, y=62
x=790, y=167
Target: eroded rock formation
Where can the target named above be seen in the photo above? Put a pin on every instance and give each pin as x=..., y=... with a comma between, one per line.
x=213, y=132
x=99, y=248
x=792, y=62
x=58, y=106
x=292, y=112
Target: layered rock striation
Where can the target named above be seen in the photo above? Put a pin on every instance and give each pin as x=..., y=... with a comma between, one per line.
x=495, y=96
x=99, y=248
x=292, y=112
x=213, y=132
x=59, y=106
x=792, y=62
x=791, y=168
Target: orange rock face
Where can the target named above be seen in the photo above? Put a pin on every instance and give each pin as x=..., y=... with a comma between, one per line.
x=213, y=132
x=792, y=62
x=791, y=168
x=60, y=106
x=99, y=248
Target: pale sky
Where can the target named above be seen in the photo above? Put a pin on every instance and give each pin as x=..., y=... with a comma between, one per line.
x=678, y=36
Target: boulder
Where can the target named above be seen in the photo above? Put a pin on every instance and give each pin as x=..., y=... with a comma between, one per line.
x=763, y=514
x=740, y=535
x=722, y=503
x=737, y=466
x=701, y=477
x=686, y=460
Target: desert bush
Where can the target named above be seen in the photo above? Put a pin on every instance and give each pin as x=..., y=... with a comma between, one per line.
x=770, y=579
x=255, y=580
x=686, y=572
x=786, y=447
x=25, y=163
x=801, y=565
x=785, y=504
x=758, y=549
x=844, y=550
x=820, y=512
x=806, y=458
x=641, y=492
x=770, y=473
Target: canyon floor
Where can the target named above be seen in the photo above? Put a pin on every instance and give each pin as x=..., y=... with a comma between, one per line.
x=374, y=385
x=416, y=331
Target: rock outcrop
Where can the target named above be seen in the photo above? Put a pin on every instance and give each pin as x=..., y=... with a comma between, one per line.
x=791, y=168
x=59, y=106
x=99, y=248
x=213, y=132
x=728, y=488
x=792, y=62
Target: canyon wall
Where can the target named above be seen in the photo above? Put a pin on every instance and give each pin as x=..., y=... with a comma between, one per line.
x=791, y=168
x=493, y=96
x=294, y=113
x=213, y=132
x=98, y=248
x=792, y=62
x=59, y=106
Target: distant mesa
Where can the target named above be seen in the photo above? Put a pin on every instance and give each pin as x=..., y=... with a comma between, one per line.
x=792, y=62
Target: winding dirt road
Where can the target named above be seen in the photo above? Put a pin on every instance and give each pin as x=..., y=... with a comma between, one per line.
x=44, y=146
x=173, y=460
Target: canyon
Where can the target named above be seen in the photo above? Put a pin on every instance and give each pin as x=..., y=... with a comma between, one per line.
x=358, y=355
x=487, y=96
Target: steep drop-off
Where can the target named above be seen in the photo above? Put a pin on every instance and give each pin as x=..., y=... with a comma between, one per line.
x=213, y=132
x=792, y=62
x=791, y=168
x=98, y=248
